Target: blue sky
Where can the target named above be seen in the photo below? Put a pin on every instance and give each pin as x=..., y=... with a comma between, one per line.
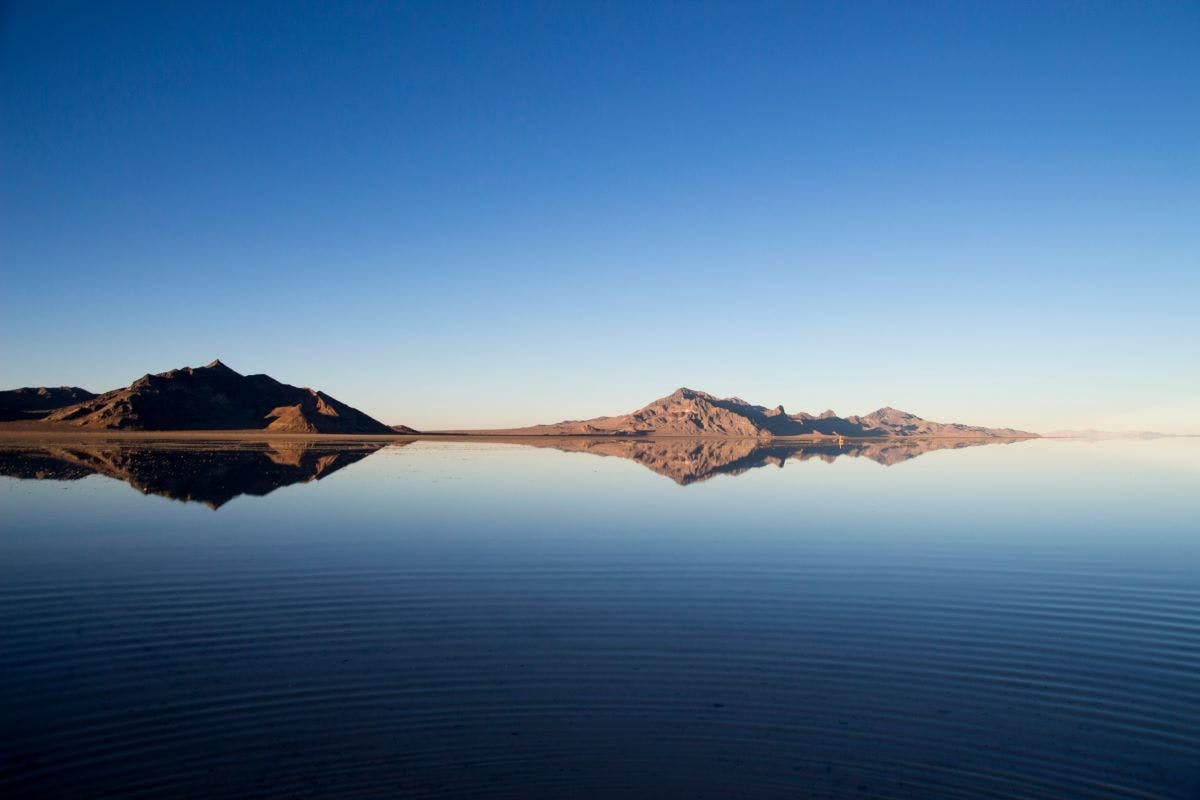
x=501, y=214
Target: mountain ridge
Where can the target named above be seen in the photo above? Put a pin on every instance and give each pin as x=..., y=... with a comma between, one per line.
x=691, y=412
x=215, y=397
x=35, y=402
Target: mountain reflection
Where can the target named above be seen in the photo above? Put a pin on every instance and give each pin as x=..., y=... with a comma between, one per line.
x=687, y=461
x=215, y=473
x=212, y=475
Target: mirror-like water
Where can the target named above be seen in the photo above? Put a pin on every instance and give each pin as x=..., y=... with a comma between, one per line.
x=678, y=619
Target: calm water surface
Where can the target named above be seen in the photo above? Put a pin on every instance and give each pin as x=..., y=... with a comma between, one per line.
x=672, y=620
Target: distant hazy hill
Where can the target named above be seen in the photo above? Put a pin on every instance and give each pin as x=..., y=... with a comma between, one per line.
x=1094, y=434
x=688, y=412
x=215, y=397
x=36, y=402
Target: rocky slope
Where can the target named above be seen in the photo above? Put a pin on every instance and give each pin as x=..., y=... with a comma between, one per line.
x=37, y=402
x=688, y=412
x=214, y=397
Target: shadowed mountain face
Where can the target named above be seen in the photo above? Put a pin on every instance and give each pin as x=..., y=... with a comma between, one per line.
x=688, y=412
x=215, y=397
x=37, y=402
x=687, y=461
x=209, y=476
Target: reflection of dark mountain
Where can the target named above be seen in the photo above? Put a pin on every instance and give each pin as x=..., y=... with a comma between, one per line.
x=210, y=476
x=692, y=460
x=39, y=465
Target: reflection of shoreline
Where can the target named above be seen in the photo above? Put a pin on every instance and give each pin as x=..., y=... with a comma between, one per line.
x=212, y=475
x=687, y=461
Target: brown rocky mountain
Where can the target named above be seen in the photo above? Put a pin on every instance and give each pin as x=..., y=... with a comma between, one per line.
x=37, y=402
x=688, y=461
x=688, y=412
x=209, y=476
x=214, y=397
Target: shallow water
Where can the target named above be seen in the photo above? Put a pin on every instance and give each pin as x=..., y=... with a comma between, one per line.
x=479, y=619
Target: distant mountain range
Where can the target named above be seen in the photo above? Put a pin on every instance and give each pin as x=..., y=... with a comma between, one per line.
x=212, y=397
x=215, y=397
x=688, y=412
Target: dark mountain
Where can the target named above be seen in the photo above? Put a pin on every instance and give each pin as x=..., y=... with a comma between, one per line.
x=215, y=397
x=688, y=412
x=37, y=402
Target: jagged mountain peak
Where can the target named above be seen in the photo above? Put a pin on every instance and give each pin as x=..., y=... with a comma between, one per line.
x=889, y=411
x=684, y=393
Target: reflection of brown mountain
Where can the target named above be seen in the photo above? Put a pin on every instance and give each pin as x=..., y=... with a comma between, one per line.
x=215, y=397
x=693, y=460
x=209, y=476
x=687, y=412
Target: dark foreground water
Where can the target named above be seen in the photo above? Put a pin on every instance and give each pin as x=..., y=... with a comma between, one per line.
x=680, y=620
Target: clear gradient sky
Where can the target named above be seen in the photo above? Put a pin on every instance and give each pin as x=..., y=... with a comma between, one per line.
x=497, y=214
